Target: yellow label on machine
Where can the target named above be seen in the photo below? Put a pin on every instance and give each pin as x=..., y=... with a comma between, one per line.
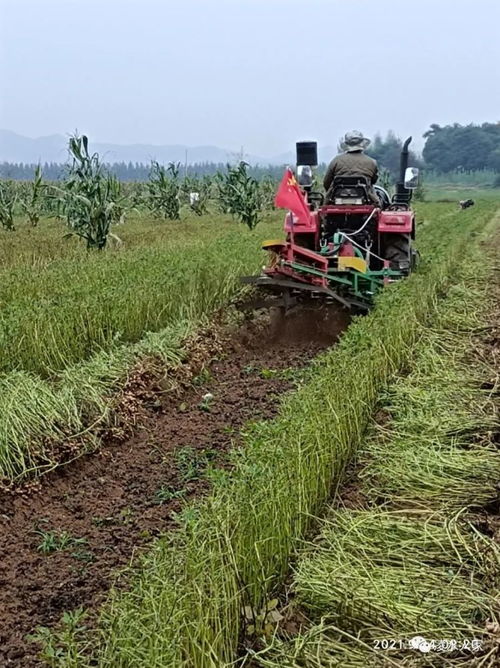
x=356, y=263
x=272, y=242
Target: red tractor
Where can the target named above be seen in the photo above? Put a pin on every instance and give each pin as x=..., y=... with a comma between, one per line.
x=348, y=247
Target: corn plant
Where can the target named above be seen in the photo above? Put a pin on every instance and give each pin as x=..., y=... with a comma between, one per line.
x=419, y=192
x=239, y=194
x=32, y=201
x=268, y=187
x=385, y=179
x=135, y=194
x=119, y=209
x=90, y=196
x=197, y=193
x=8, y=198
x=51, y=201
x=163, y=190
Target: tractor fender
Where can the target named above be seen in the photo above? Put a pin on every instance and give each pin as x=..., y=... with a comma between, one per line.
x=396, y=222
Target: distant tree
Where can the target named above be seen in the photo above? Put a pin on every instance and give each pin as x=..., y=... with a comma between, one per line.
x=387, y=153
x=463, y=148
x=131, y=172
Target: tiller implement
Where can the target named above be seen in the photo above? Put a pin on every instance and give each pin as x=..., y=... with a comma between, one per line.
x=344, y=247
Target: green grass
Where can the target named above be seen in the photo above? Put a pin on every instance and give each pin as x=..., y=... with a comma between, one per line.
x=36, y=247
x=478, y=178
x=56, y=541
x=455, y=193
x=438, y=452
x=233, y=548
x=382, y=575
x=46, y=423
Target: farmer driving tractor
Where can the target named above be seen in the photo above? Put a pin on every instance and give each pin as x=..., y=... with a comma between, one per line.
x=345, y=247
x=353, y=162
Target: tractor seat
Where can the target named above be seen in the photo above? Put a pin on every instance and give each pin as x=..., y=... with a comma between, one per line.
x=350, y=190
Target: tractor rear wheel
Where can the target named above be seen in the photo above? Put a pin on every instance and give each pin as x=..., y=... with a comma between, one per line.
x=399, y=251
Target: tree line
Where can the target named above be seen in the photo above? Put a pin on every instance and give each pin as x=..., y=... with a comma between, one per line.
x=131, y=171
x=463, y=148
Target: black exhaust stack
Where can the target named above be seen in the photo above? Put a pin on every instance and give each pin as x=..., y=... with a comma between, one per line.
x=403, y=195
x=403, y=164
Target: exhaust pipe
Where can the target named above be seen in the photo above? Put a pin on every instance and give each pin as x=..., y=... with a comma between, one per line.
x=403, y=195
x=403, y=164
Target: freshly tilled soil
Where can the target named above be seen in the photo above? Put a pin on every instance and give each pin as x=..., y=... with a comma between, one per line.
x=112, y=503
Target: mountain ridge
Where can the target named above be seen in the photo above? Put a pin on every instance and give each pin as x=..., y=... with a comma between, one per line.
x=18, y=148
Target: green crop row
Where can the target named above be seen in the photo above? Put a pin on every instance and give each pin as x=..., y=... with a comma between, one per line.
x=34, y=248
x=56, y=315
x=103, y=312
x=44, y=424
x=409, y=561
x=184, y=606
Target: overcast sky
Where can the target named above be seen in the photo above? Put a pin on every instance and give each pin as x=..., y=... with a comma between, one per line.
x=257, y=73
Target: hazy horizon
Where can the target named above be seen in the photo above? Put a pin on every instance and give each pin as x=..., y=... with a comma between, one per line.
x=254, y=74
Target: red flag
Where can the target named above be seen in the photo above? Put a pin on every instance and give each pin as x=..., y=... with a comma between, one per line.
x=290, y=196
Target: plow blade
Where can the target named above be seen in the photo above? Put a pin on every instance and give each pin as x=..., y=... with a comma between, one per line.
x=287, y=287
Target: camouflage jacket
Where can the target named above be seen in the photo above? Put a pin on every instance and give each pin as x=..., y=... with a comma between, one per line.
x=351, y=164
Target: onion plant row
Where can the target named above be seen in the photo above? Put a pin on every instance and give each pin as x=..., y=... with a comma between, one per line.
x=60, y=314
x=70, y=332
x=232, y=550
x=410, y=561
x=32, y=249
x=45, y=424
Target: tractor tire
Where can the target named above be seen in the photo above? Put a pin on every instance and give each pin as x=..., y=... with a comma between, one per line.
x=415, y=259
x=399, y=250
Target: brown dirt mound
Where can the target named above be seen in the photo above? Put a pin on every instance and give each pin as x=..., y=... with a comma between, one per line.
x=105, y=507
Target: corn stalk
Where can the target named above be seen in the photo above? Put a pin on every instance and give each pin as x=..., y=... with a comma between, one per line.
x=32, y=203
x=90, y=196
x=196, y=193
x=163, y=190
x=268, y=187
x=8, y=200
x=239, y=194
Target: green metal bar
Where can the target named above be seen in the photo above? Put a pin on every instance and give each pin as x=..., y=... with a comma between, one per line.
x=375, y=273
x=373, y=279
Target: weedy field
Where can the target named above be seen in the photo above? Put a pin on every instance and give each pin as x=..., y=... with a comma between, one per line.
x=199, y=448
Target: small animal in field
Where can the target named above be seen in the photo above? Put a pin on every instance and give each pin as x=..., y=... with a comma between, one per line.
x=466, y=203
